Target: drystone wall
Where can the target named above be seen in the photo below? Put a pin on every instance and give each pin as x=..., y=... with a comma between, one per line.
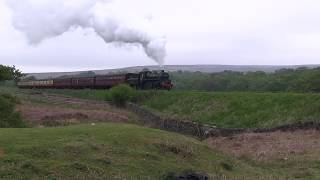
x=204, y=131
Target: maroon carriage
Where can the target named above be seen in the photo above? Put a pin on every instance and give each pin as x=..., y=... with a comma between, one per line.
x=83, y=82
x=62, y=83
x=109, y=81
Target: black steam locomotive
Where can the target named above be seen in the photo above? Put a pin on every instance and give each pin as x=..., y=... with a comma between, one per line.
x=142, y=80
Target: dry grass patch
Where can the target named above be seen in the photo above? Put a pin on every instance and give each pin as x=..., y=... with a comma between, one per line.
x=2, y=153
x=269, y=146
x=182, y=150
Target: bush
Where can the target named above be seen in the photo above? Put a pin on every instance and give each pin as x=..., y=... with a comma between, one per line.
x=9, y=73
x=9, y=118
x=122, y=94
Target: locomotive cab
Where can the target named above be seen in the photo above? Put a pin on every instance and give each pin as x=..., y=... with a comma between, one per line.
x=155, y=80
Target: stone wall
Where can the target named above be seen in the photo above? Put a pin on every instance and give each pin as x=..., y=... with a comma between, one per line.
x=205, y=131
x=153, y=120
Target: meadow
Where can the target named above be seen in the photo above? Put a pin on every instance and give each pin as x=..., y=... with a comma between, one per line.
x=124, y=151
x=108, y=150
x=237, y=109
x=223, y=109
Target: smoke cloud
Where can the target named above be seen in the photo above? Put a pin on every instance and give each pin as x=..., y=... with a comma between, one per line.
x=40, y=20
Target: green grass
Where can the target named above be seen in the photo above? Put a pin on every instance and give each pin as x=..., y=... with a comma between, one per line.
x=224, y=109
x=237, y=110
x=118, y=151
x=80, y=93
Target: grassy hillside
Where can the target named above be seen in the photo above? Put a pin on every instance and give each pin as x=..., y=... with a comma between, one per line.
x=109, y=150
x=237, y=110
x=81, y=93
x=224, y=109
x=121, y=151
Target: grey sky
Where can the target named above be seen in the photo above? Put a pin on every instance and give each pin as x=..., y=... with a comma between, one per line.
x=261, y=32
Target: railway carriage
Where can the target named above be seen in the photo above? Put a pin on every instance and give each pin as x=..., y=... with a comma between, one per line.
x=109, y=81
x=61, y=83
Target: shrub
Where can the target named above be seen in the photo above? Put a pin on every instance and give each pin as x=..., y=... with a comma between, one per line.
x=12, y=99
x=9, y=73
x=9, y=118
x=121, y=94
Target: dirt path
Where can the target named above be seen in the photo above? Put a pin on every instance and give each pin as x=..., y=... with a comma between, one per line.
x=269, y=146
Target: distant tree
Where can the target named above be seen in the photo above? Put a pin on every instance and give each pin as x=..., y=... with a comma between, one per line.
x=286, y=80
x=9, y=73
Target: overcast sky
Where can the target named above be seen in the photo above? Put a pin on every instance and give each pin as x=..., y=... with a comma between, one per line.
x=233, y=32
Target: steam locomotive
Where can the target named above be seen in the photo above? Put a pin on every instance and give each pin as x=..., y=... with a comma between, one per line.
x=142, y=80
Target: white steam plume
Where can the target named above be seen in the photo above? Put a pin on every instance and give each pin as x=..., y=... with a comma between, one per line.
x=40, y=20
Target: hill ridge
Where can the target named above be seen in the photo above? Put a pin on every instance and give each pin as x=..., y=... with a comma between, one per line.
x=171, y=68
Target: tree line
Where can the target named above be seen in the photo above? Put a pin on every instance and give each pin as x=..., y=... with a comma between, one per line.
x=286, y=80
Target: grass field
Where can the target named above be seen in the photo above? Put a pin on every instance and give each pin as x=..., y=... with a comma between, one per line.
x=231, y=109
x=109, y=150
x=122, y=151
x=81, y=93
x=238, y=110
